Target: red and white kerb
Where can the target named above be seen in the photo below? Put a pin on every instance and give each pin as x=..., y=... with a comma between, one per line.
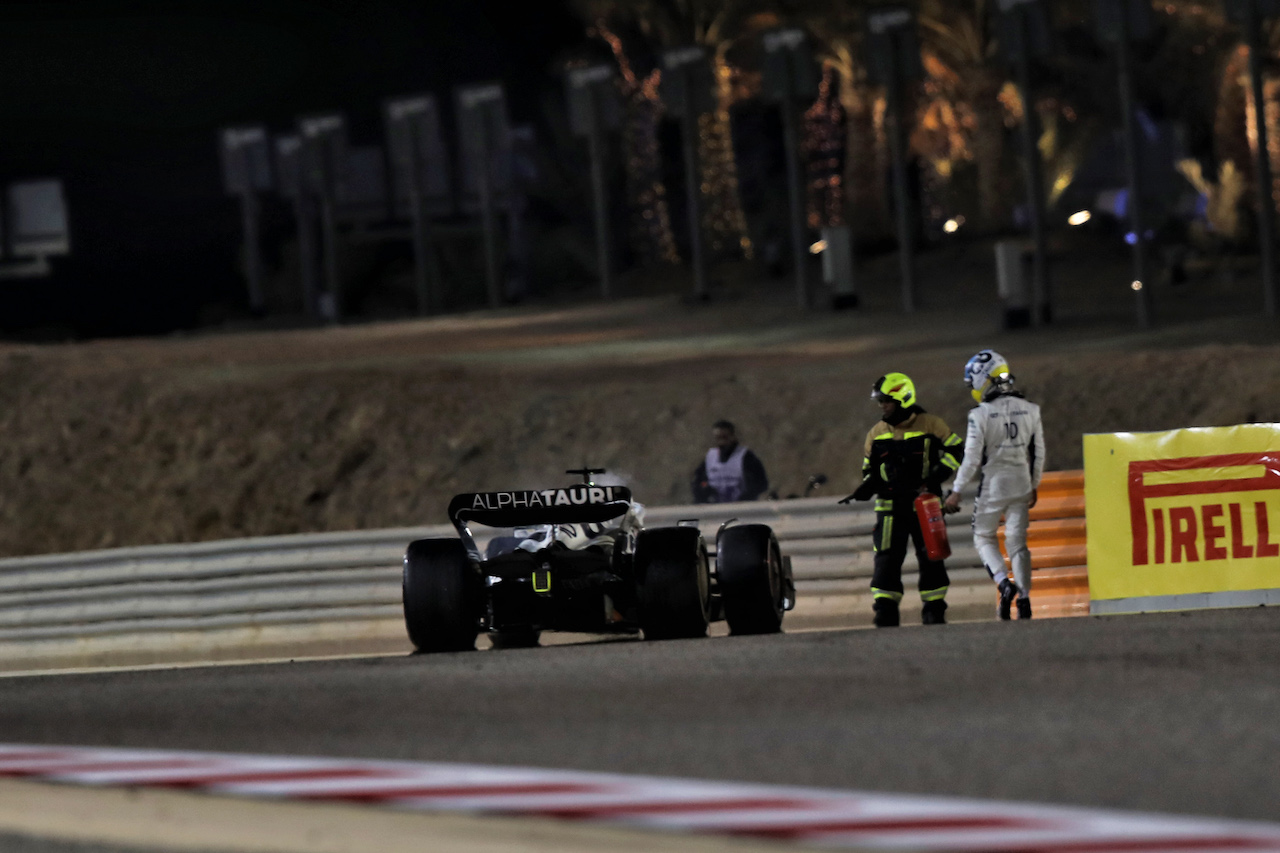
x=823, y=817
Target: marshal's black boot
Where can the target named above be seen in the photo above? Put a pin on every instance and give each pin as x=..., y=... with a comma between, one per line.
x=934, y=613
x=886, y=610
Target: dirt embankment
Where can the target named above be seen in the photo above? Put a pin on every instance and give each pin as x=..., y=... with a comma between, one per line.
x=183, y=439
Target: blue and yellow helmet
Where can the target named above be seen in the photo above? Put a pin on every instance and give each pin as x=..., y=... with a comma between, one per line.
x=985, y=372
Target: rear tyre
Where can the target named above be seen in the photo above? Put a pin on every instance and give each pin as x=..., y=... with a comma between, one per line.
x=442, y=596
x=749, y=578
x=673, y=583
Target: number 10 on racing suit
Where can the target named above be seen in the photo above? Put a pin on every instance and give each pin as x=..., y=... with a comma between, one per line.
x=1004, y=461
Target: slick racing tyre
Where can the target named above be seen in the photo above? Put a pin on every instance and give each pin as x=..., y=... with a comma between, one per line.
x=673, y=583
x=749, y=577
x=442, y=596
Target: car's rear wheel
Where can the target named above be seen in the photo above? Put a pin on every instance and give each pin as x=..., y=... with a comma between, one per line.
x=673, y=583
x=442, y=596
x=749, y=578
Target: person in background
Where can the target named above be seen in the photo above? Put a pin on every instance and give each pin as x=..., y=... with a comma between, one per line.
x=730, y=471
x=1003, y=464
x=907, y=453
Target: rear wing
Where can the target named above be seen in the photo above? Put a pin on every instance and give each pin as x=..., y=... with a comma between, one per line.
x=572, y=504
x=583, y=504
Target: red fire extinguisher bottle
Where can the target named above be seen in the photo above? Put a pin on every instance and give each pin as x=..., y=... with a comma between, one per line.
x=933, y=526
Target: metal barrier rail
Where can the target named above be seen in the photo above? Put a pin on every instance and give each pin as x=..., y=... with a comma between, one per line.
x=354, y=576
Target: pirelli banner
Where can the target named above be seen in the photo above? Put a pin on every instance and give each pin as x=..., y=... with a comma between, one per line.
x=1183, y=519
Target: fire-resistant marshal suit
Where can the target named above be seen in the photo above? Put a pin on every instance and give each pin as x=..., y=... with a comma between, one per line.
x=908, y=452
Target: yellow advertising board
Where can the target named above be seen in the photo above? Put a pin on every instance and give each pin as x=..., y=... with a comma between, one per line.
x=1185, y=518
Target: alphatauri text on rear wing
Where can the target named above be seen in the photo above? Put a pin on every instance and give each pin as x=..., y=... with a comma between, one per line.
x=569, y=505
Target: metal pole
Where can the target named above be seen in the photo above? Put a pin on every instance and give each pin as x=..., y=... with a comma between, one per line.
x=595, y=150
x=1141, y=287
x=693, y=192
x=1041, y=298
x=306, y=252
x=332, y=280
x=488, y=225
x=790, y=136
x=897, y=142
x=252, y=253
x=1262, y=161
x=417, y=218
x=430, y=259
x=421, y=281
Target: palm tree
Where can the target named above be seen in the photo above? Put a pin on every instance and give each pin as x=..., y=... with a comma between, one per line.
x=652, y=237
x=962, y=107
x=717, y=25
x=961, y=57
x=837, y=26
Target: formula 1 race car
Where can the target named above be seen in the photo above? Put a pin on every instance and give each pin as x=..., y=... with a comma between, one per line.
x=578, y=558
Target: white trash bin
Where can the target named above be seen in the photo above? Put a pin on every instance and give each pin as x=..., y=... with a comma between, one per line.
x=837, y=266
x=1013, y=282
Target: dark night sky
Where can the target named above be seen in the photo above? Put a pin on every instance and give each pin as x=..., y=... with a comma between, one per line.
x=123, y=100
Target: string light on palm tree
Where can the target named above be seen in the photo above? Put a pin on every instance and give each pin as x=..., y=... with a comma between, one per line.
x=724, y=219
x=823, y=152
x=1251, y=15
x=651, y=232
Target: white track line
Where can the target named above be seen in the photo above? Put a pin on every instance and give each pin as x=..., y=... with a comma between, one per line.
x=820, y=817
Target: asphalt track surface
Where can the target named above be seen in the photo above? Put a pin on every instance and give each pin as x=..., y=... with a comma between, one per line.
x=1175, y=713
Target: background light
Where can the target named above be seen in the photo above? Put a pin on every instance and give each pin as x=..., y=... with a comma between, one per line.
x=1079, y=217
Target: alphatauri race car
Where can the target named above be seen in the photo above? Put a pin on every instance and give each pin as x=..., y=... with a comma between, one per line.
x=578, y=558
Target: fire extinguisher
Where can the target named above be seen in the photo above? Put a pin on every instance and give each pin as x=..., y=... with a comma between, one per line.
x=933, y=526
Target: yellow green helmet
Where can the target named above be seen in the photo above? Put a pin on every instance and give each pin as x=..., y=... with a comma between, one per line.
x=895, y=386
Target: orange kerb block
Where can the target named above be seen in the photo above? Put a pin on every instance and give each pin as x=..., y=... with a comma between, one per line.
x=1064, y=506
x=1062, y=482
x=1058, y=541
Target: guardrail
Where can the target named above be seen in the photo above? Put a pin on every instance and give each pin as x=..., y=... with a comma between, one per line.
x=354, y=576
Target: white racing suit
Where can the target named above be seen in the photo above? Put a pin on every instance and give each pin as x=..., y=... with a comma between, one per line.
x=1004, y=459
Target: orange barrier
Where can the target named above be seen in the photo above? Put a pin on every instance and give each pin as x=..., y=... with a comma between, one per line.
x=1057, y=539
x=1061, y=495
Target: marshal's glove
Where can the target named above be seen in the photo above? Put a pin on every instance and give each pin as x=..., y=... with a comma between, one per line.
x=865, y=492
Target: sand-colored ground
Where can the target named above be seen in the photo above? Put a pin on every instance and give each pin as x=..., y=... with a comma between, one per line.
x=243, y=433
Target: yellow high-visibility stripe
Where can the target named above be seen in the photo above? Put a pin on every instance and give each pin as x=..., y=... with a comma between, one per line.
x=952, y=440
x=907, y=435
x=950, y=461
x=886, y=593
x=886, y=533
x=934, y=594
x=883, y=504
x=883, y=435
